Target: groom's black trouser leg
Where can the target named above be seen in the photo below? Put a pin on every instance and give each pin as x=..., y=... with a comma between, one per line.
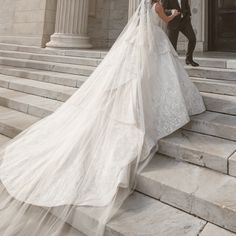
x=173, y=35
x=188, y=31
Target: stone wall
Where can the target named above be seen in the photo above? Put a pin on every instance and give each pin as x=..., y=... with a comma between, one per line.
x=107, y=19
x=31, y=22
x=27, y=22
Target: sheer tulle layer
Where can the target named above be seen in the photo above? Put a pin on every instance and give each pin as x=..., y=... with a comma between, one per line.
x=82, y=160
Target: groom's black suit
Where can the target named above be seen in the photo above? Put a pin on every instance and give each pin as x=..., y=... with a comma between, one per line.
x=181, y=23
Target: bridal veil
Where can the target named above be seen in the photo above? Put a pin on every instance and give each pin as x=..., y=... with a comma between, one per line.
x=80, y=162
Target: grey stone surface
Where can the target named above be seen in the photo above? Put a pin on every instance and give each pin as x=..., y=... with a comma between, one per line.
x=197, y=190
x=212, y=73
x=44, y=76
x=51, y=58
x=140, y=215
x=13, y=122
x=208, y=62
x=27, y=22
x=3, y=139
x=220, y=103
x=223, y=87
x=213, y=230
x=216, y=124
x=27, y=103
x=203, y=150
x=231, y=64
x=232, y=165
x=48, y=90
x=91, y=53
x=49, y=66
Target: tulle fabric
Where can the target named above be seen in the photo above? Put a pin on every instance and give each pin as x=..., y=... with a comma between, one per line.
x=78, y=165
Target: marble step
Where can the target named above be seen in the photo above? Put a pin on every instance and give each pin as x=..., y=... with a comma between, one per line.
x=199, y=149
x=47, y=90
x=91, y=53
x=142, y=215
x=220, y=103
x=214, y=102
x=223, y=87
x=27, y=103
x=3, y=139
x=232, y=165
x=101, y=53
x=44, y=76
x=213, y=230
x=197, y=190
x=48, y=66
x=212, y=73
x=215, y=124
x=208, y=62
x=51, y=58
x=13, y=122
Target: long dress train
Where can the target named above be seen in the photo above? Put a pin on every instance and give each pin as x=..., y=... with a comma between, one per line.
x=82, y=160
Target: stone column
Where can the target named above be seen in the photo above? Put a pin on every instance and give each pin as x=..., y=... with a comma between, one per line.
x=71, y=25
x=133, y=4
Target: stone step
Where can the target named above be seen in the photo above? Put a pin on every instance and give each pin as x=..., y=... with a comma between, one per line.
x=208, y=62
x=215, y=124
x=142, y=215
x=13, y=122
x=27, y=103
x=213, y=230
x=214, y=102
x=212, y=73
x=3, y=139
x=91, y=53
x=48, y=90
x=44, y=76
x=223, y=87
x=232, y=165
x=48, y=66
x=220, y=103
x=101, y=53
x=51, y=58
x=196, y=190
x=199, y=149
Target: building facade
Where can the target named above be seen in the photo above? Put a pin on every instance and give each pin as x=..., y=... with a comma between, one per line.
x=97, y=23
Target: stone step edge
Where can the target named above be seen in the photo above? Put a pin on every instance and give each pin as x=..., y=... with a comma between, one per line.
x=53, y=91
x=46, y=63
x=183, y=199
x=48, y=56
x=202, y=231
x=197, y=157
x=94, y=53
x=47, y=76
x=31, y=107
x=199, y=123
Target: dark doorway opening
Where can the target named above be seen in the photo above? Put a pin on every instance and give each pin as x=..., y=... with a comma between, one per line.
x=222, y=25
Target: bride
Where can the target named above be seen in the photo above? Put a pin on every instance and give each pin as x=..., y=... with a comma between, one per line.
x=82, y=160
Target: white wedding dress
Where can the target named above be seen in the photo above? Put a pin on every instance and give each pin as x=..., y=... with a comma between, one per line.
x=85, y=156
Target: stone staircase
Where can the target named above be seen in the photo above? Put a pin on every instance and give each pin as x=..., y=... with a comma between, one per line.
x=189, y=187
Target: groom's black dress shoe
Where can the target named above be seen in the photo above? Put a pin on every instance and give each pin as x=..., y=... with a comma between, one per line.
x=192, y=63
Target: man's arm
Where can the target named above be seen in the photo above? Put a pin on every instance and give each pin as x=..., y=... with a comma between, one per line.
x=165, y=4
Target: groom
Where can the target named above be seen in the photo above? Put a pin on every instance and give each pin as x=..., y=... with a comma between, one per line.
x=181, y=23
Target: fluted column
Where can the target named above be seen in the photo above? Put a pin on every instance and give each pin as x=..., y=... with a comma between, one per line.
x=71, y=25
x=133, y=4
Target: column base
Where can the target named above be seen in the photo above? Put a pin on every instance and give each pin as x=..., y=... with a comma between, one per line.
x=68, y=41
